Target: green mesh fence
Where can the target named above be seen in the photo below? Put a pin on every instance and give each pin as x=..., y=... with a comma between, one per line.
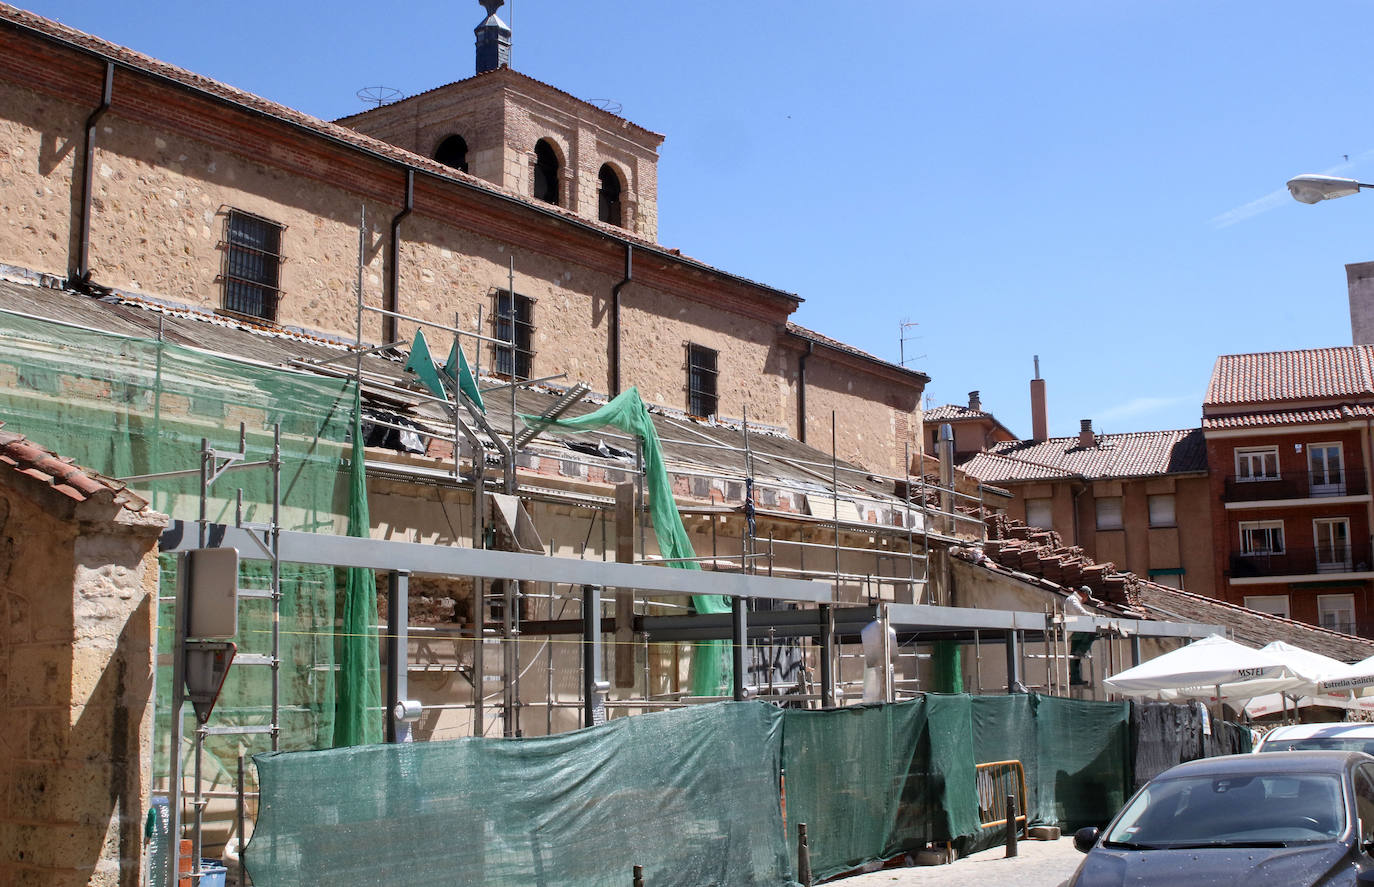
x=712, y=670
x=126, y=406
x=873, y=782
x=691, y=795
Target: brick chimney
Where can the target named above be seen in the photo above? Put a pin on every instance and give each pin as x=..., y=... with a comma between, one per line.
x=974, y=403
x=1086, y=438
x=493, y=39
x=1040, y=423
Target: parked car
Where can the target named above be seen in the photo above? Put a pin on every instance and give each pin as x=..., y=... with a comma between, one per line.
x=1296, y=819
x=1313, y=737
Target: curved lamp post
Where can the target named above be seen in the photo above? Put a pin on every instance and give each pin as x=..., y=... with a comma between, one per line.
x=1315, y=188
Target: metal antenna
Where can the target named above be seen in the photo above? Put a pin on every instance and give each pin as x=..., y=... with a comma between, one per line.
x=903, y=338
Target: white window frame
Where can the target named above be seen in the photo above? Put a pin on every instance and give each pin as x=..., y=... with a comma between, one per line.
x=1247, y=454
x=1337, y=488
x=1120, y=513
x=1331, y=566
x=1173, y=509
x=1344, y=602
x=1273, y=604
x=1256, y=525
x=1048, y=502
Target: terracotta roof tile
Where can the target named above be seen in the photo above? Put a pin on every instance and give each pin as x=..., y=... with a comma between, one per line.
x=1341, y=413
x=63, y=475
x=1138, y=454
x=1278, y=376
x=953, y=413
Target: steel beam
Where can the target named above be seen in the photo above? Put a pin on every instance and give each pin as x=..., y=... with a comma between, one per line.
x=444, y=560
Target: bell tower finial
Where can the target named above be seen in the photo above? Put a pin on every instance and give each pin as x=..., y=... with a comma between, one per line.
x=493, y=39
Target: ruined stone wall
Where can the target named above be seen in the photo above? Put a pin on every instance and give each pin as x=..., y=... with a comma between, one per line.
x=77, y=620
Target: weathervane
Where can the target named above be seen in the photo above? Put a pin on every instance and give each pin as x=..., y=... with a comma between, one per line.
x=491, y=5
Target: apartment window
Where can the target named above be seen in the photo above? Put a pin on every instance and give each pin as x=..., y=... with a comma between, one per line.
x=1040, y=513
x=1108, y=512
x=252, y=265
x=545, y=172
x=1331, y=536
x=1273, y=604
x=519, y=318
x=1261, y=537
x=1336, y=612
x=1325, y=471
x=1257, y=463
x=701, y=381
x=1162, y=510
x=608, y=209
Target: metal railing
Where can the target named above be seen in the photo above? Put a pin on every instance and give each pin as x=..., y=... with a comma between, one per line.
x=1304, y=485
x=1302, y=562
x=996, y=780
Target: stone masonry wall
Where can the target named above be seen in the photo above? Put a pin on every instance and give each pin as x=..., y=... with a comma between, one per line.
x=168, y=165
x=77, y=620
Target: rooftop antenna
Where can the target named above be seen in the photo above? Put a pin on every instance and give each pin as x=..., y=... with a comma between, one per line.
x=378, y=95
x=903, y=338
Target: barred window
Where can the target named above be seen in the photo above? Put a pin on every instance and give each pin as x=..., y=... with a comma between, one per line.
x=701, y=381
x=521, y=319
x=251, y=271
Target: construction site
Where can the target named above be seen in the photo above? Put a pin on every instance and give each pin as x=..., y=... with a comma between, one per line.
x=364, y=520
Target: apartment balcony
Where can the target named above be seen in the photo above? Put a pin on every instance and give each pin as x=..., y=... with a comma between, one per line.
x=1351, y=482
x=1302, y=562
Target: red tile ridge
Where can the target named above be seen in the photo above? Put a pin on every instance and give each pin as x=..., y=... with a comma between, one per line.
x=64, y=475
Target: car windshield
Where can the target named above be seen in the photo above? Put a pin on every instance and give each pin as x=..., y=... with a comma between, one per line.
x=1318, y=743
x=1231, y=811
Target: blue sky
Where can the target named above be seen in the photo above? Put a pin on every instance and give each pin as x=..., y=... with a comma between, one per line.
x=1098, y=183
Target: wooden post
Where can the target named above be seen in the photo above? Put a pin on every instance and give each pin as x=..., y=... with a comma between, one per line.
x=1011, y=826
x=803, y=856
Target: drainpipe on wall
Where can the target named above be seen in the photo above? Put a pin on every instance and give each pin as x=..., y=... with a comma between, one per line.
x=393, y=277
x=615, y=318
x=81, y=271
x=801, y=391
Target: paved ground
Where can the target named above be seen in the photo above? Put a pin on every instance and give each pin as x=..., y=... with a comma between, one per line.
x=1037, y=864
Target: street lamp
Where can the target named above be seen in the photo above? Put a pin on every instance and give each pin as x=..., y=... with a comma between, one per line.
x=1315, y=188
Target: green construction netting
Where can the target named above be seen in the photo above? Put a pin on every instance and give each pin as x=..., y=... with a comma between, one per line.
x=712, y=671
x=691, y=795
x=360, y=681
x=129, y=406
x=872, y=782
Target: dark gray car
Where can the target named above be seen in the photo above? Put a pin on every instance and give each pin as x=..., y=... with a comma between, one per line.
x=1296, y=819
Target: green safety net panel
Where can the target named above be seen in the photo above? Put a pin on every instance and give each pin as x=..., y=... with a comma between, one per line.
x=691, y=795
x=360, y=682
x=712, y=671
x=128, y=406
x=875, y=781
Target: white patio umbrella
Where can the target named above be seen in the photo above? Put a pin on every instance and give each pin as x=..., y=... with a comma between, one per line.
x=1351, y=677
x=1312, y=668
x=1210, y=668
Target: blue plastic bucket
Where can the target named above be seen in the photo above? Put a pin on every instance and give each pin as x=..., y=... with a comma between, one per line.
x=212, y=873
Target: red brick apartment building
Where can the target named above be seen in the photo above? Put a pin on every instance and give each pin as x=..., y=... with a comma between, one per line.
x=1288, y=442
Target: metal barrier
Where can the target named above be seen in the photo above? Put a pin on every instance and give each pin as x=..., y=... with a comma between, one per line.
x=997, y=780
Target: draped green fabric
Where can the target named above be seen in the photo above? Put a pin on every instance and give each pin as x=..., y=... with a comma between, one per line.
x=457, y=369
x=422, y=365
x=357, y=719
x=712, y=670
